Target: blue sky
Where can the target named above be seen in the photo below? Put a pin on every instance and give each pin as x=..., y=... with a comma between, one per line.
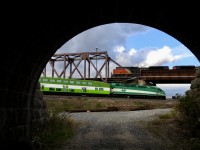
x=135, y=45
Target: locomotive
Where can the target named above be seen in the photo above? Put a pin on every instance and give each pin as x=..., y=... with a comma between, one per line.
x=126, y=71
x=152, y=70
x=49, y=85
x=189, y=67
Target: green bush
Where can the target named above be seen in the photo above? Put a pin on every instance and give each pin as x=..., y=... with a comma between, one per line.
x=189, y=105
x=57, y=129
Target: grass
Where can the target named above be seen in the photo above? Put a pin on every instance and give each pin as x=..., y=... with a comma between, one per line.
x=64, y=103
x=174, y=130
x=56, y=131
x=172, y=127
x=60, y=128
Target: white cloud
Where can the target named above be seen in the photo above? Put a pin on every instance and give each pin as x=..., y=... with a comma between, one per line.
x=132, y=52
x=113, y=37
x=182, y=50
x=105, y=37
x=160, y=56
x=119, y=49
x=123, y=57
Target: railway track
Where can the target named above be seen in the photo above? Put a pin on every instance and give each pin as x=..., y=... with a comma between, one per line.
x=94, y=97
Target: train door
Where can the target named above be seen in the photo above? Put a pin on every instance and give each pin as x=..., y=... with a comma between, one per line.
x=84, y=89
x=65, y=88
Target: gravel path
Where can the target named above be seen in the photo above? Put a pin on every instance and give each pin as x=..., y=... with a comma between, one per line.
x=115, y=131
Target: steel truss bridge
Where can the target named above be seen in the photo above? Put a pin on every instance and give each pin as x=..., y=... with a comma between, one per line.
x=83, y=63
x=65, y=65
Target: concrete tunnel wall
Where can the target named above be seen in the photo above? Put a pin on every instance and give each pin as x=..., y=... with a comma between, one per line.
x=32, y=35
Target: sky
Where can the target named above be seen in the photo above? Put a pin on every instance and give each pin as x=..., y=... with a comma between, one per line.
x=134, y=45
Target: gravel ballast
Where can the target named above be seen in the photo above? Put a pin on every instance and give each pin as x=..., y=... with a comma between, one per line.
x=115, y=131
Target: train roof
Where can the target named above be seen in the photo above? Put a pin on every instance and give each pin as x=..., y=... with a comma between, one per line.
x=132, y=84
x=53, y=80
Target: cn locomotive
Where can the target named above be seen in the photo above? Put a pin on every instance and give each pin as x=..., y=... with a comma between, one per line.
x=49, y=85
x=152, y=70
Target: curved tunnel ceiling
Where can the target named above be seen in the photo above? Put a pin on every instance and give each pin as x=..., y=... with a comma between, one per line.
x=31, y=35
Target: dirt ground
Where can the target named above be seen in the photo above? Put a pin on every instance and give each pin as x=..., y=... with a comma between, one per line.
x=116, y=131
x=170, y=129
x=81, y=103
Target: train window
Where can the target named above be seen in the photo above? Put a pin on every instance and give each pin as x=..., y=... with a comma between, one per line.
x=83, y=82
x=142, y=86
x=65, y=81
x=52, y=80
x=65, y=88
x=45, y=80
x=84, y=89
x=71, y=90
x=129, y=85
x=72, y=82
x=59, y=81
x=51, y=89
x=58, y=89
x=89, y=83
x=78, y=82
x=100, y=89
x=96, y=89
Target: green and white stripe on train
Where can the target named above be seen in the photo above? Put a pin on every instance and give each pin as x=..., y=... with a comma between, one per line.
x=135, y=89
x=49, y=84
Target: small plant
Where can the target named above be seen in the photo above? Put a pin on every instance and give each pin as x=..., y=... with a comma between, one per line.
x=57, y=129
x=99, y=105
x=189, y=105
x=166, y=116
x=177, y=96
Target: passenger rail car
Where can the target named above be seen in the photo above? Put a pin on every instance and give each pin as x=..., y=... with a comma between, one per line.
x=50, y=85
x=72, y=87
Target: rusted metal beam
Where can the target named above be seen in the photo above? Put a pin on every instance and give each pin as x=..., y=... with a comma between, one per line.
x=69, y=65
x=76, y=68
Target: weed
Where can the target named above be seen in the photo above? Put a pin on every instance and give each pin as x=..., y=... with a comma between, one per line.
x=57, y=129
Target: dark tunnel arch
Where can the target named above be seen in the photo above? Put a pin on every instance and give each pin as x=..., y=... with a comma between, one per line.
x=29, y=42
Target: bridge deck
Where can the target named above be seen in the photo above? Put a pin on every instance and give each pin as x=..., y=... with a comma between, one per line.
x=156, y=76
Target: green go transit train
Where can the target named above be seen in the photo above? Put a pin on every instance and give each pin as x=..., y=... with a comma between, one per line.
x=49, y=85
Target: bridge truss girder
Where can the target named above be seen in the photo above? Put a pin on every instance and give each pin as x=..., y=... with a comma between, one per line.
x=73, y=61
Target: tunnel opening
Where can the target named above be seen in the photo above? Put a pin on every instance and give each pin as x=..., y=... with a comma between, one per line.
x=119, y=50
x=30, y=43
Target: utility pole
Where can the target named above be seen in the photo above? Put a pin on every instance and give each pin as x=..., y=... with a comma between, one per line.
x=96, y=61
